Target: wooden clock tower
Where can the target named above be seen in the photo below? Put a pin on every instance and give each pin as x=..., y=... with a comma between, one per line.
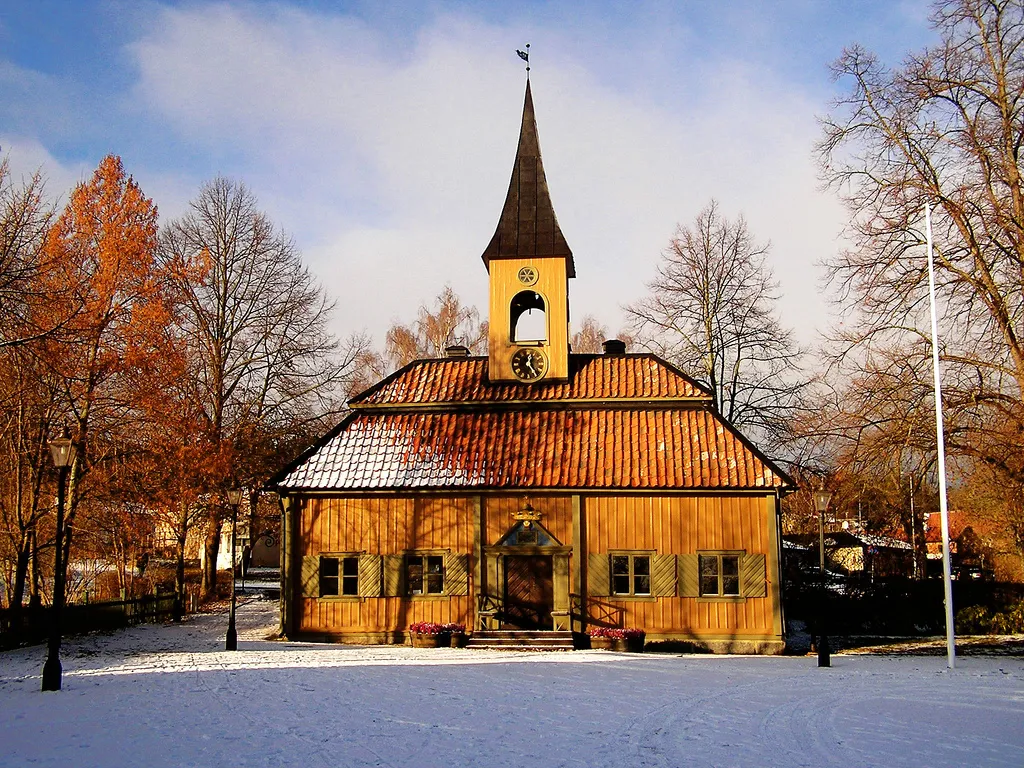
x=529, y=264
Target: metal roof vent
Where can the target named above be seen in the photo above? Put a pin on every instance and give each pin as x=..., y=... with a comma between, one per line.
x=614, y=347
x=456, y=350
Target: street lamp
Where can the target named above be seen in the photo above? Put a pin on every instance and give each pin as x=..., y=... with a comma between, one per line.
x=821, y=500
x=234, y=499
x=63, y=452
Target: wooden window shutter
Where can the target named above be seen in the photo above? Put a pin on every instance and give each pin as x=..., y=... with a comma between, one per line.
x=393, y=575
x=752, y=576
x=689, y=576
x=369, y=575
x=310, y=577
x=663, y=575
x=456, y=574
x=598, y=575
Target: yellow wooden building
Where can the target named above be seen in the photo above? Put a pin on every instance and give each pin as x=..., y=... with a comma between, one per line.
x=533, y=490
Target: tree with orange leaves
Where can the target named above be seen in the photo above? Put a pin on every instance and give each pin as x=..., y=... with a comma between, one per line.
x=170, y=466
x=104, y=291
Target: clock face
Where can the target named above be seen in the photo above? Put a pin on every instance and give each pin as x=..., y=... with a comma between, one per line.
x=529, y=364
x=527, y=275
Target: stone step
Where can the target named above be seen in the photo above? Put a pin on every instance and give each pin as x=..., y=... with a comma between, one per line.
x=518, y=640
x=526, y=648
x=503, y=633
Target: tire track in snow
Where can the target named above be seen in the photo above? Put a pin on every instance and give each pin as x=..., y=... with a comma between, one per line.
x=667, y=735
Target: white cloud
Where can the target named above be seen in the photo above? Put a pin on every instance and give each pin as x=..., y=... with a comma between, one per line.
x=27, y=156
x=390, y=166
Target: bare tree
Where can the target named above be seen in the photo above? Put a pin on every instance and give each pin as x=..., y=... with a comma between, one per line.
x=270, y=372
x=874, y=435
x=946, y=128
x=447, y=322
x=370, y=366
x=25, y=218
x=711, y=311
x=30, y=404
x=589, y=338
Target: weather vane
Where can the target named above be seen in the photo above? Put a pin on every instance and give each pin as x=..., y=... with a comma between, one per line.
x=525, y=56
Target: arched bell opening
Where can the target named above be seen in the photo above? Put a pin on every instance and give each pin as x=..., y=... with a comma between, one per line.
x=528, y=320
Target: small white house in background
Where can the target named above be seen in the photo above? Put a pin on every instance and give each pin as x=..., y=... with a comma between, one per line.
x=853, y=553
x=266, y=552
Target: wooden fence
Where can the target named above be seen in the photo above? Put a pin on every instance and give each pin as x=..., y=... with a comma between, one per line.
x=31, y=625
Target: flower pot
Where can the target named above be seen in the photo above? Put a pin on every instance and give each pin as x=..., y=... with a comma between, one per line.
x=601, y=643
x=628, y=644
x=420, y=640
x=458, y=639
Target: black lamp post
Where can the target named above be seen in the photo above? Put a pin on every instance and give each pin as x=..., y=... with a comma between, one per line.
x=63, y=452
x=821, y=500
x=234, y=499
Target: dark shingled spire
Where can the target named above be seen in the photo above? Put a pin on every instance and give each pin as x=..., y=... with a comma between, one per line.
x=528, y=226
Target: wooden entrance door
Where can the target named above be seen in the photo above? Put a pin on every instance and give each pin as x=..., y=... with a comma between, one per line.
x=529, y=592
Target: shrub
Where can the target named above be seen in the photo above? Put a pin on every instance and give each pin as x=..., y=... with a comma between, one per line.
x=980, y=620
x=975, y=620
x=1009, y=622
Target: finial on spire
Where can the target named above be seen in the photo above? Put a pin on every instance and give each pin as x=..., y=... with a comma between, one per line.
x=525, y=56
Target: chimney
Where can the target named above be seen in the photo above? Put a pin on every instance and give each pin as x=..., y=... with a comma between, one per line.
x=614, y=347
x=456, y=350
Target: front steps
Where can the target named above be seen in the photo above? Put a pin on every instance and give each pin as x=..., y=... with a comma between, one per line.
x=519, y=640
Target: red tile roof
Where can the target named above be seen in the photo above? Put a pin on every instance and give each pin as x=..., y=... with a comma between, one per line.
x=933, y=526
x=591, y=377
x=620, y=422
x=587, y=448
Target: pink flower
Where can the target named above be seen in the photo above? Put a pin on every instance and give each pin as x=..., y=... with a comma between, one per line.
x=615, y=633
x=426, y=628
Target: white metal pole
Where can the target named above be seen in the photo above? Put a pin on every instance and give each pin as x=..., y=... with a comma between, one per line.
x=943, y=509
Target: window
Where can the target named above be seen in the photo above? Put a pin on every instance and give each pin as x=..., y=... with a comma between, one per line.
x=339, y=576
x=631, y=574
x=719, y=575
x=424, y=574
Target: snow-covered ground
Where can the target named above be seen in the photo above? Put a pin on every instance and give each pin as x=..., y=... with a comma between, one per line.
x=160, y=696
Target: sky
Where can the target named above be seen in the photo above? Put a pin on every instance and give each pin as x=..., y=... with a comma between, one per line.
x=381, y=135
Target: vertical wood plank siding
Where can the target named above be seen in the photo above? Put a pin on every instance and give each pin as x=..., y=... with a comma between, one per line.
x=384, y=525
x=552, y=284
x=556, y=515
x=681, y=525
x=664, y=524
